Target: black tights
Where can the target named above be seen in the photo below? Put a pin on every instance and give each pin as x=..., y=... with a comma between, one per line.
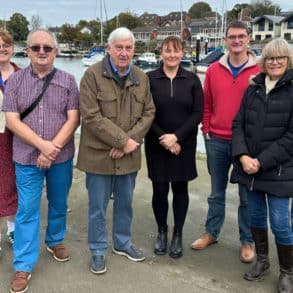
x=180, y=203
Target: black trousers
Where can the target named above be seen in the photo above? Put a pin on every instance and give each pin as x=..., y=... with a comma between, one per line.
x=180, y=203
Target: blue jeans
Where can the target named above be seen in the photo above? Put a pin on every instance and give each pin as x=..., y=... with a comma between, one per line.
x=29, y=183
x=279, y=215
x=100, y=188
x=219, y=160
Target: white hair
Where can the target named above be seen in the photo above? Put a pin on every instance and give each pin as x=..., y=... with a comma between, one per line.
x=119, y=34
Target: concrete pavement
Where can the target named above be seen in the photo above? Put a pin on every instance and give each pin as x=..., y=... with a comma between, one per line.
x=216, y=269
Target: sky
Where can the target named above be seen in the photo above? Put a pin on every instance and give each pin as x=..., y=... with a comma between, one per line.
x=58, y=12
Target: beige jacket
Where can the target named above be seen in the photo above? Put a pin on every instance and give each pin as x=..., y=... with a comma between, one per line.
x=111, y=115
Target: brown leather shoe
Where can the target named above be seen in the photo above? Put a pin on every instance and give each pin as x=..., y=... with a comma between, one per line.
x=19, y=283
x=59, y=252
x=203, y=242
x=247, y=254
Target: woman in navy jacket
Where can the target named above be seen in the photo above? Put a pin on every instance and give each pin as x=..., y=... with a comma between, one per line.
x=262, y=146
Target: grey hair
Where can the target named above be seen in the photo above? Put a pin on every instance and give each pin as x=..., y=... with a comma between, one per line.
x=276, y=47
x=120, y=34
x=28, y=39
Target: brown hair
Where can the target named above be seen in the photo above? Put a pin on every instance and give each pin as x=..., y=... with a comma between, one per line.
x=6, y=37
x=237, y=24
x=173, y=41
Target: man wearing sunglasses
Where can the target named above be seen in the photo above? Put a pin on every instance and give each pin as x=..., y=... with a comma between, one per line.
x=225, y=84
x=43, y=148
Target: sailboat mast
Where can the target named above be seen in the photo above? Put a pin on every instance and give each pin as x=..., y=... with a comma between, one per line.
x=101, y=20
x=224, y=21
x=181, y=26
x=216, y=30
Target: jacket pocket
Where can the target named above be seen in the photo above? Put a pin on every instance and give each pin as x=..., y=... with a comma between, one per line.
x=137, y=104
x=108, y=105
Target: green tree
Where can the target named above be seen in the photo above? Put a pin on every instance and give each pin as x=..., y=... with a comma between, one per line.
x=140, y=47
x=2, y=24
x=18, y=26
x=82, y=24
x=126, y=19
x=264, y=7
x=95, y=28
x=199, y=9
x=233, y=14
x=68, y=33
x=129, y=20
x=36, y=22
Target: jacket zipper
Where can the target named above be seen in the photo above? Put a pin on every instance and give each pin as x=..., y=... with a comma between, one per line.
x=171, y=88
x=280, y=170
x=251, y=184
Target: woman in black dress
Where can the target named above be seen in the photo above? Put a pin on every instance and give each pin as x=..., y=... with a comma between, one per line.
x=170, y=144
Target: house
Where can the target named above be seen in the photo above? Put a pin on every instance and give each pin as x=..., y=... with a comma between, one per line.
x=144, y=34
x=167, y=31
x=207, y=30
x=174, y=18
x=86, y=30
x=159, y=27
x=147, y=34
x=266, y=27
x=150, y=19
x=287, y=27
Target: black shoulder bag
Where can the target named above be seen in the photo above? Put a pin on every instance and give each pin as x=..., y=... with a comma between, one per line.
x=39, y=97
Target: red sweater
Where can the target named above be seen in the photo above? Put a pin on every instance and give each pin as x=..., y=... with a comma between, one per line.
x=223, y=94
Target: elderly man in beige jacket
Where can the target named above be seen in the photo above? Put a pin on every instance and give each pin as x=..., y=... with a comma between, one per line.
x=117, y=111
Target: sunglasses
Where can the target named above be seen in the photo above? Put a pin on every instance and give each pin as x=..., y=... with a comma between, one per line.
x=37, y=48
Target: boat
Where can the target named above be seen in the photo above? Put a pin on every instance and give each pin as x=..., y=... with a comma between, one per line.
x=202, y=65
x=146, y=60
x=186, y=61
x=201, y=68
x=96, y=54
x=19, y=51
x=20, y=54
x=93, y=56
x=67, y=53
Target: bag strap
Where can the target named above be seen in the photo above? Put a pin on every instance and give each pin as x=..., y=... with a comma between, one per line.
x=48, y=79
x=2, y=83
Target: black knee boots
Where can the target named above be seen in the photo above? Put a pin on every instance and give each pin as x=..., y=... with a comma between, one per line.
x=285, y=254
x=176, y=250
x=162, y=240
x=261, y=266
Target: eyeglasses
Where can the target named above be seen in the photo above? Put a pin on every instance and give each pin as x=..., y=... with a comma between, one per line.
x=37, y=48
x=278, y=59
x=5, y=46
x=119, y=48
x=239, y=37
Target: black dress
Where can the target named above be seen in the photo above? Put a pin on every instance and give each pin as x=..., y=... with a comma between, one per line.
x=179, y=109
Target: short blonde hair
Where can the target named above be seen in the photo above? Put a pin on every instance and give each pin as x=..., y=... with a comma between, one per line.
x=276, y=47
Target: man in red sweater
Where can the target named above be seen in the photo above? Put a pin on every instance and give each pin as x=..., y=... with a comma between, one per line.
x=225, y=84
